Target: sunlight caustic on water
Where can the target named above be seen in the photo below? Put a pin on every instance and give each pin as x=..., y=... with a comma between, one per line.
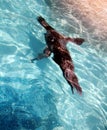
x=35, y=96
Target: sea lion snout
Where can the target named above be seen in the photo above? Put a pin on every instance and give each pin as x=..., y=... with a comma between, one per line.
x=40, y=19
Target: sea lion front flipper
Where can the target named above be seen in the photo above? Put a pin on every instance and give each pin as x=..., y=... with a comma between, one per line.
x=46, y=53
x=77, y=41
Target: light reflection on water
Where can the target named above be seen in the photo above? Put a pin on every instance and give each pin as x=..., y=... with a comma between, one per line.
x=86, y=18
x=35, y=95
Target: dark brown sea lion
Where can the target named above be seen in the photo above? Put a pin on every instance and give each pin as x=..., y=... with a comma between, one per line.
x=56, y=44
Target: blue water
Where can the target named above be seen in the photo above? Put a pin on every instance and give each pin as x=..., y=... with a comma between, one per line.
x=35, y=96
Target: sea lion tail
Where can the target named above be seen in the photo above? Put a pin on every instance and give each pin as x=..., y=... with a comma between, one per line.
x=43, y=22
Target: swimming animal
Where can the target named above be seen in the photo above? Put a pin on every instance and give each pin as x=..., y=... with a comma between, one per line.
x=56, y=44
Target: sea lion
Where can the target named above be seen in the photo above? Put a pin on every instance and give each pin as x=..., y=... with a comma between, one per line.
x=56, y=44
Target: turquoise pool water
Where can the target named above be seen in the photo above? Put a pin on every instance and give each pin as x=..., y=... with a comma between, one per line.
x=35, y=96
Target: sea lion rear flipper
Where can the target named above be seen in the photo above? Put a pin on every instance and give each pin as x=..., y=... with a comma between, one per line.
x=77, y=41
x=72, y=80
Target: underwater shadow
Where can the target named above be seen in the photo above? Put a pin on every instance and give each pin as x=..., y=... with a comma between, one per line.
x=31, y=109
x=36, y=45
x=48, y=2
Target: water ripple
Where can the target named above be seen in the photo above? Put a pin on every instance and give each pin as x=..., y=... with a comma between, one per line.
x=36, y=95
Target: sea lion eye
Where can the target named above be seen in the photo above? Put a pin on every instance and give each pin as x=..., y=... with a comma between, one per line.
x=52, y=40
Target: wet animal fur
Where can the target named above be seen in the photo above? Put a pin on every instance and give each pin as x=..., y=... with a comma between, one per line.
x=56, y=44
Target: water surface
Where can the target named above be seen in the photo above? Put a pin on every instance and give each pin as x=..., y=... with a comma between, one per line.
x=35, y=96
